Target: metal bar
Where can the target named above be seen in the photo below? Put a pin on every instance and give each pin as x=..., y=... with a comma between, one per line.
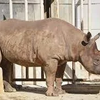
x=73, y=12
x=89, y=15
x=73, y=72
x=81, y=14
x=76, y=14
x=26, y=10
x=73, y=23
x=52, y=9
x=34, y=74
x=11, y=8
x=29, y=1
x=71, y=80
x=42, y=10
x=13, y=72
x=42, y=73
x=27, y=73
x=89, y=22
x=22, y=73
x=39, y=79
x=35, y=2
x=15, y=2
x=57, y=2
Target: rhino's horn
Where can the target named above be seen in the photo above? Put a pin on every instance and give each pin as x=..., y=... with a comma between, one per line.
x=96, y=37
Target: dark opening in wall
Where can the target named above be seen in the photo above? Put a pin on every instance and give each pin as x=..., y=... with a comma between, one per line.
x=47, y=8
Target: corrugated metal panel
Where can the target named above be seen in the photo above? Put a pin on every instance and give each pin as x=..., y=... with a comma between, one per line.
x=34, y=12
x=4, y=9
x=20, y=1
x=65, y=11
x=18, y=11
x=65, y=1
x=95, y=17
x=93, y=1
x=34, y=9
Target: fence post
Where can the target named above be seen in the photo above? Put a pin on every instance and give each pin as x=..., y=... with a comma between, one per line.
x=26, y=10
x=1, y=81
x=42, y=9
x=11, y=8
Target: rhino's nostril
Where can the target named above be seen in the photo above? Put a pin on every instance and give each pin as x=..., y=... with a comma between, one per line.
x=95, y=63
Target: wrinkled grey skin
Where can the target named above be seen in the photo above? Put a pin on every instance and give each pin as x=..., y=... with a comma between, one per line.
x=49, y=43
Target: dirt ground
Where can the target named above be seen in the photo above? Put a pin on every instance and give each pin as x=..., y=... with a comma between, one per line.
x=38, y=93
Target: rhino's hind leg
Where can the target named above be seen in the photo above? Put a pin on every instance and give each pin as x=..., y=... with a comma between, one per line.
x=59, y=77
x=8, y=87
x=50, y=71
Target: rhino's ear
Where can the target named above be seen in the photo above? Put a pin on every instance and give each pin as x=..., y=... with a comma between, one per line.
x=87, y=38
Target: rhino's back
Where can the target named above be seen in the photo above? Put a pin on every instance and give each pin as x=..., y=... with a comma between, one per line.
x=50, y=25
x=23, y=41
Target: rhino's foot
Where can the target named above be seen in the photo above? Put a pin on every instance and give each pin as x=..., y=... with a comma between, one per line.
x=51, y=93
x=8, y=87
x=60, y=91
x=11, y=89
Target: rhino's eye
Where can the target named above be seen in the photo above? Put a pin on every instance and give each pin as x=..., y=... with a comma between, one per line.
x=84, y=43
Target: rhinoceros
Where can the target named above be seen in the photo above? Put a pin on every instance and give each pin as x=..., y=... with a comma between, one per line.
x=48, y=43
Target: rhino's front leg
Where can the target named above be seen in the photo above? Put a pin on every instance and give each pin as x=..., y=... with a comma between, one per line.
x=8, y=87
x=59, y=78
x=50, y=71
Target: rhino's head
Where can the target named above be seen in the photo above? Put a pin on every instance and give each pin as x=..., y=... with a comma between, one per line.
x=90, y=55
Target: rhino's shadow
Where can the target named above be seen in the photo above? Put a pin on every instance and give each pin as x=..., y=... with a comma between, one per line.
x=36, y=89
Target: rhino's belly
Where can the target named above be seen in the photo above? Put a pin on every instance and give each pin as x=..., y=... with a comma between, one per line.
x=19, y=49
x=22, y=59
x=23, y=55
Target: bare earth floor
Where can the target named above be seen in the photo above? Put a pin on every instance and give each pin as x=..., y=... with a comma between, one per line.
x=38, y=93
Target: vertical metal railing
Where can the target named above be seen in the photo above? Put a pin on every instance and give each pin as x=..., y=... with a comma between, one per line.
x=42, y=9
x=73, y=23
x=89, y=15
x=73, y=12
x=89, y=23
x=81, y=15
x=26, y=10
x=57, y=2
x=11, y=8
